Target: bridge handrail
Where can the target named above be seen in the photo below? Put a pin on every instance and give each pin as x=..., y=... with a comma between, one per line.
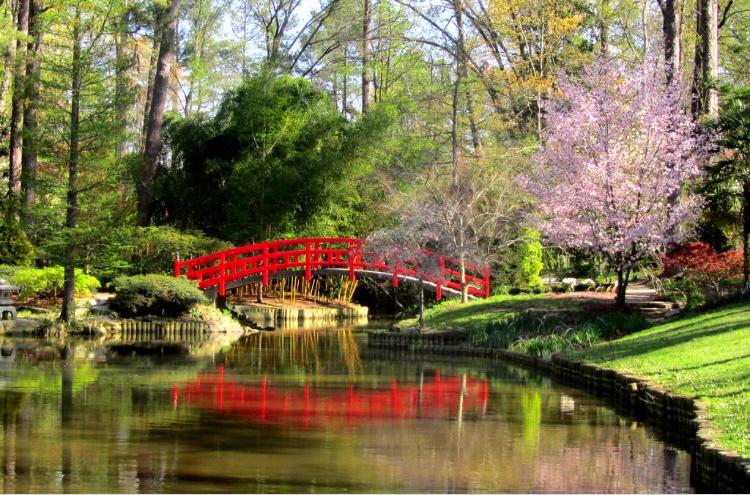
x=310, y=254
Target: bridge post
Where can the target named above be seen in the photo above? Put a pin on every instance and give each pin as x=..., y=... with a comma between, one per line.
x=222, y=259
x=486, y=281
x=394, y=282
x=352, y=257
x=308, y=262
x=265, y=265
x=177, y=267
x=439, y=286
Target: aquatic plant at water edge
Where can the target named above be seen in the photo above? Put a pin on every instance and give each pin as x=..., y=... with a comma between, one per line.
x=544, y=334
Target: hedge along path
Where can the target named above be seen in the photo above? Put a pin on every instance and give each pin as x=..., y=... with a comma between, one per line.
x=704, y=356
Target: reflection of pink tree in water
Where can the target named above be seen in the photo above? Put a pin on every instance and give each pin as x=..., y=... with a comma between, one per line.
x=307, y=406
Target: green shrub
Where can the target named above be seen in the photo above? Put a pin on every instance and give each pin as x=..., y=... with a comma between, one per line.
x=48, y=282
x=500, y=290
x=15, y=248
x=86, y=284
x=530, y=253
x=561, y=288
x=585, y=336
x=617, y=324
x=683, y=291
x=541, y=346
x=8, y=271
x=157, y=295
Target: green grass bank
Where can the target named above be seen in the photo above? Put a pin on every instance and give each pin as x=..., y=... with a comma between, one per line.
x=451, y=314
x=701, y=355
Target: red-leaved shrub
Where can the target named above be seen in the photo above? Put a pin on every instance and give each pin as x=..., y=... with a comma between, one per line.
x=701, y=264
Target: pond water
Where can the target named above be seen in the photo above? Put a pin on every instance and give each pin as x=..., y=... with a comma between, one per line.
x=309, y=411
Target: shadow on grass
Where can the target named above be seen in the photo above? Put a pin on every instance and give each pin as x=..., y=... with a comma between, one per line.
x=674, y=333
x=706, y=365
x=730, y=393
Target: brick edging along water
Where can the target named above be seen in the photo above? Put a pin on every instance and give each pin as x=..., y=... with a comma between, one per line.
x=714, y=468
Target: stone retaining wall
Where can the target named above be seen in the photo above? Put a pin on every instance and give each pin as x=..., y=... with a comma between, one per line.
x=414, y=341
x=713, y=469
x=276, y=317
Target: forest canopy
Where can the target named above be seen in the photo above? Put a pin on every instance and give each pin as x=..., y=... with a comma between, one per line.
x=277, y=161
x=233, y=121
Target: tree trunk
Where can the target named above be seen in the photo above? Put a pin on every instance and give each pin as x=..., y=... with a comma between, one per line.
x=366, y=50
x=150, y=86
x=603, y=28
x=456, y=162
x=644, y=22
x=464, y=285
x=33, y=81
x=8, y=58
x=167, y=18
x=16, y=112
x=462, y=67
x=698, y=86
x=335, y=87
x=421, y=303
x=711, y=54
x=623, y=277
x=122, y=96
x=746, y=236
x=69, y=302
x=671, y=29
x=344, y=92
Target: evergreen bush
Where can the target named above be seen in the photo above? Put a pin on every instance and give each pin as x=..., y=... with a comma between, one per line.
x=15, y=248
x=156, y=295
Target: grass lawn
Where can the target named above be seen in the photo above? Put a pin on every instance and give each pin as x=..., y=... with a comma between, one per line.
x=703, y=355
x=452, y=314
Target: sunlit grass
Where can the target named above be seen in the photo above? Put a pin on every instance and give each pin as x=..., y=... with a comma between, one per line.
x=453, y=314
x=705, y=355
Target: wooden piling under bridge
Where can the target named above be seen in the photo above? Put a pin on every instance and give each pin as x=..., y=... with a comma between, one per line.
x=160, y=330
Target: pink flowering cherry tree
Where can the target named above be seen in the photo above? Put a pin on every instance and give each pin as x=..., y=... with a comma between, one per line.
x=618, y=150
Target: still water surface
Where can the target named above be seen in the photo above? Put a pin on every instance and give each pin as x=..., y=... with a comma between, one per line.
x=310, y=411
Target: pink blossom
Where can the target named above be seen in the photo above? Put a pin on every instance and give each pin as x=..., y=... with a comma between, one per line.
x=619, y=148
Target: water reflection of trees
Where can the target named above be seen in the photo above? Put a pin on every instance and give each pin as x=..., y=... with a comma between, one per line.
x=114, y=427
x=312, y=351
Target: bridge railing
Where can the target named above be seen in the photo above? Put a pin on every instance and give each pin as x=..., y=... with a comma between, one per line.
x=265, y=259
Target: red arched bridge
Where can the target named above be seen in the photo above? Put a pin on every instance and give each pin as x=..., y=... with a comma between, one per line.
x=232, y=268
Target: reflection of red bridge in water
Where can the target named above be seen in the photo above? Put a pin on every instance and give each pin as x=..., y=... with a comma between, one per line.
x=309, y=406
